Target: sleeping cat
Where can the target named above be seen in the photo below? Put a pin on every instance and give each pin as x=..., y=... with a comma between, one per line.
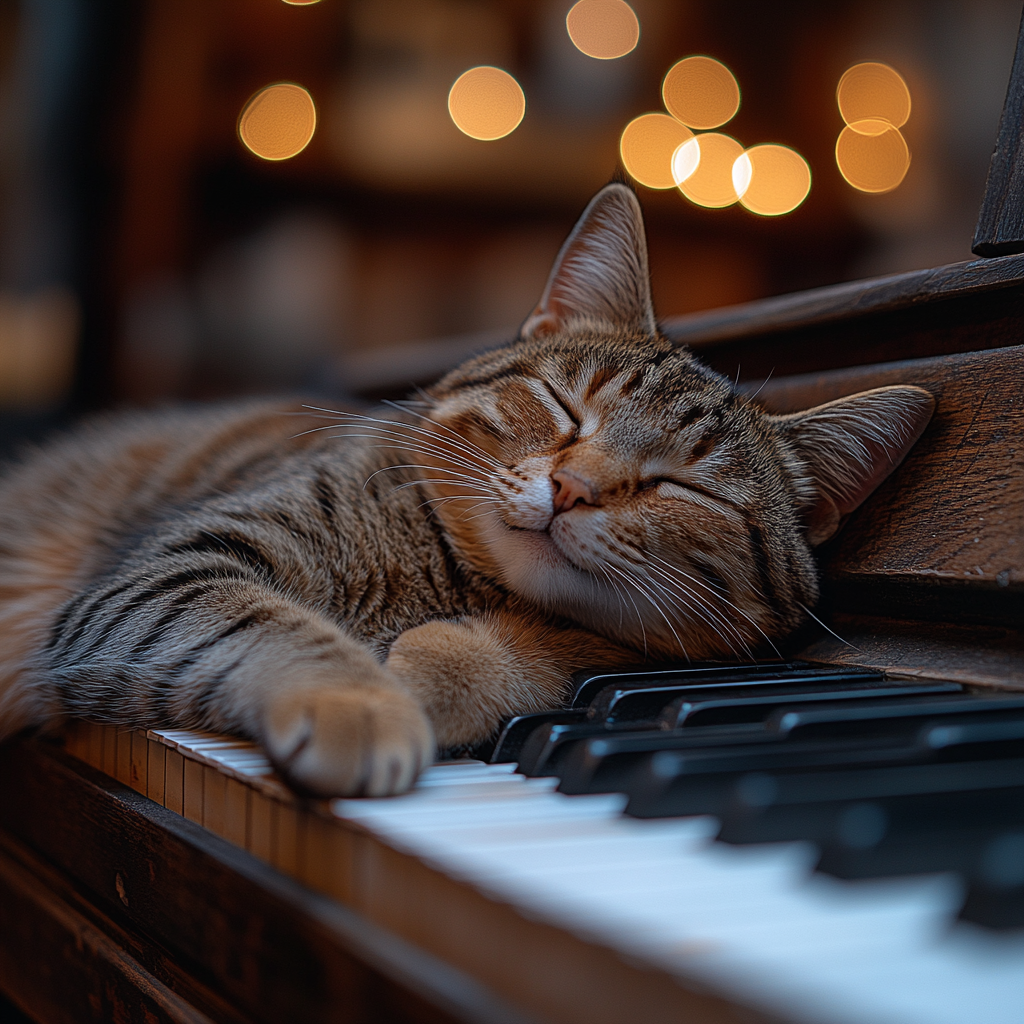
x=355, y=596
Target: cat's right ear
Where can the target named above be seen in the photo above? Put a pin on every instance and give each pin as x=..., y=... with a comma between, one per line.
x=849, y=446
x=600, y=275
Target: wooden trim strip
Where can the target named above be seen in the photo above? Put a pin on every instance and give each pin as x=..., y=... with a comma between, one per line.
x=1000, y=227
x=105, y=972
x=523, y=960
x=819, y=306
x=270, y=946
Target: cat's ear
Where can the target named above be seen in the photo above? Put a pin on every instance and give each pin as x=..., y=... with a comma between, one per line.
x=849, y=446
x=600, y=274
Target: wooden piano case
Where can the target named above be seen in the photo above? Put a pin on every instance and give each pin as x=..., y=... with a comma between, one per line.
x=117, y=908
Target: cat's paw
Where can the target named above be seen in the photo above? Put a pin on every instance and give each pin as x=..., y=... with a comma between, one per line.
x=461, y=674
x=334, y=741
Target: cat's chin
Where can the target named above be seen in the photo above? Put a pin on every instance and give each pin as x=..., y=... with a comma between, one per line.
x=535, y=566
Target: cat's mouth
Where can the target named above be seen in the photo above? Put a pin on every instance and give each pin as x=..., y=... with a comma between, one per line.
x=546, y=545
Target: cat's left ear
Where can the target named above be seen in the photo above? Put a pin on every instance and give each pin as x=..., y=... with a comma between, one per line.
x=600, y=275
x=850, y=446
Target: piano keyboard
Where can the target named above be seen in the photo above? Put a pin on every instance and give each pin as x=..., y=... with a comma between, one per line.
x=909, y=801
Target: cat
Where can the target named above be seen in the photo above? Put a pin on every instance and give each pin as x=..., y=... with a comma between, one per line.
x=357, y=596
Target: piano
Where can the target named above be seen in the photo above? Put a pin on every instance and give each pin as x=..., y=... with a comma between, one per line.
x=833, y=836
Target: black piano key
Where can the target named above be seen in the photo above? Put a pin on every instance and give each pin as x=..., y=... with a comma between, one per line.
x=603, y=763
x=615, y=704
x=549, y=746
x=698, y=781
x=589, y=683
x=888, y=717
x=516, y=731
x=510, y=742
x=981, y=736
x=775, y=807
x=674, y=783
x=918, y=835
x=995, y=898
x=737, y=709
x=578, y=764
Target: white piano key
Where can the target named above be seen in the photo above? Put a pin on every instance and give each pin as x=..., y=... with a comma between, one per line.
x=748, y=920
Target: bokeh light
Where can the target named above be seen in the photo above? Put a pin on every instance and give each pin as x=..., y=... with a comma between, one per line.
x=771, y=180
x=604, y=29
x=278, y=122
x=872, y=155
x=486, y=103
x=701, y=92
x=301, y=3
x=685, y=160
x=873, y=91
x=711, y=184
x=647, y=146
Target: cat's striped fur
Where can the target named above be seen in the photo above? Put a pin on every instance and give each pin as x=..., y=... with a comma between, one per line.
x=354, y=595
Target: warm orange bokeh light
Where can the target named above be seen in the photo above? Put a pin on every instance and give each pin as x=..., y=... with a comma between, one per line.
x=685, y=160
x=873, y=91
x=771, y=180
x=278, y=122
x=711, y=183
x=701, y=92
x=647, y=145
x=872, y=158
x=604, y=29
x=486, y=103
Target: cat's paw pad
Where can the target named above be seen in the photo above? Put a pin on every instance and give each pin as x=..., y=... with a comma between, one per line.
x=349, y=742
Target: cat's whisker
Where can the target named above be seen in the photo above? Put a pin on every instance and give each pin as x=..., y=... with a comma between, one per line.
x=440, y=480
x=479, y=515
x=443, y=445
x=690, y=605
x=418, y=436
x=615, y=588
x=462, y=443
x=830, y=630
x=639, y=616
x=417, y=445
x=656, y=604
x=451, y=497
x=710, y=615
x=705, y=612
x=724, y=600
x=431, y=469
x=461, y=439
x=456, y=497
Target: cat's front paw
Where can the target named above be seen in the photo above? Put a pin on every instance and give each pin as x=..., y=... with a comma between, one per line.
x=334, y=741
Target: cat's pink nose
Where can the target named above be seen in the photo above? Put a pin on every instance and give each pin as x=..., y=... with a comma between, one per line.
x=570, y=490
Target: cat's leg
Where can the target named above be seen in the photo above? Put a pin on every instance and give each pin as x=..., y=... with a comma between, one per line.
x=471, y=673
x=223, y=651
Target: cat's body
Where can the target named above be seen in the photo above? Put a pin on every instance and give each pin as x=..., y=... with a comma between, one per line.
x=349, y=596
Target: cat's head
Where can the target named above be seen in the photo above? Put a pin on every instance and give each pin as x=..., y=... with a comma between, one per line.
x=606, y=475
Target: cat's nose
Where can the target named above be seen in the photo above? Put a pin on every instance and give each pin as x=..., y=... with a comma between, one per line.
x=570, y=490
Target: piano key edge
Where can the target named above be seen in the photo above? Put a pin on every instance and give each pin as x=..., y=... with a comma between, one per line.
x=520, y=957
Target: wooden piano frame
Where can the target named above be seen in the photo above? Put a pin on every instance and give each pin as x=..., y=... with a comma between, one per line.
x=119, y=904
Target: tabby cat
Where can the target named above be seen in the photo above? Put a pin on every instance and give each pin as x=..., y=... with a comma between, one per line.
x=356, y=596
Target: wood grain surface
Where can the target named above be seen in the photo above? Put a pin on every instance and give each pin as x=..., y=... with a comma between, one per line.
x=990, y=657
x=830, y=303
x=265, y=944
x=963, y=307
x=1000, y=227
x=943, y=537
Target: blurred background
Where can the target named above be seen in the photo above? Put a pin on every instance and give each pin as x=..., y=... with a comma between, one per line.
x=146, y=255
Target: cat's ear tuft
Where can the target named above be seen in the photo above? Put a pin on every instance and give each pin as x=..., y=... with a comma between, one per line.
x=849, y=446
x=600, y=275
